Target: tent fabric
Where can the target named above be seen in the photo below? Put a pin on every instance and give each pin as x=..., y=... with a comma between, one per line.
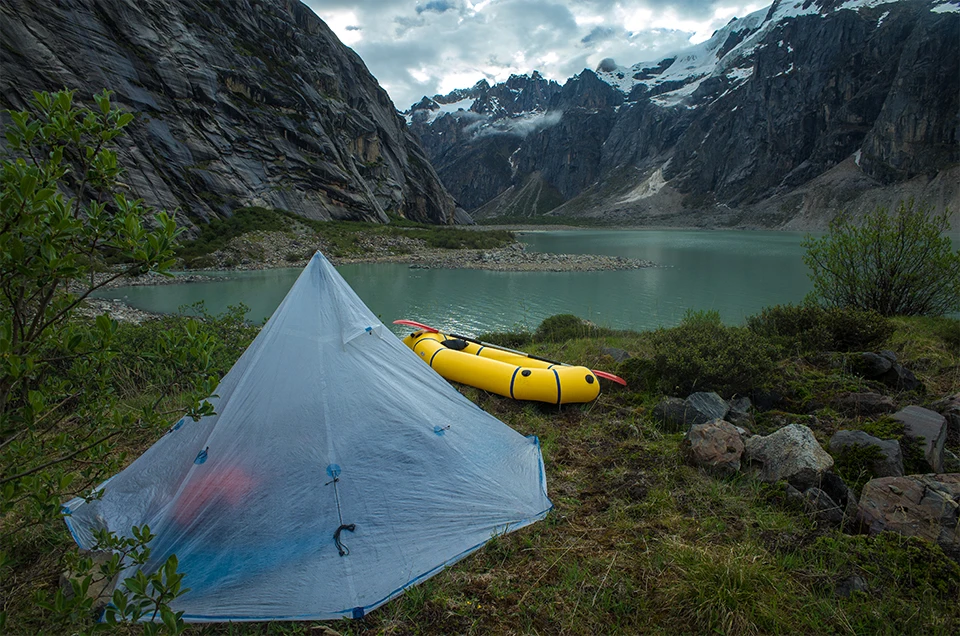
x=327, y=424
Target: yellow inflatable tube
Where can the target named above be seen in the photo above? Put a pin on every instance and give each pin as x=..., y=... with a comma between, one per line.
x=504, y=373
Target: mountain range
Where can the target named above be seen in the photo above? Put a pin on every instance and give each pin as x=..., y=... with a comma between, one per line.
x=781, y=119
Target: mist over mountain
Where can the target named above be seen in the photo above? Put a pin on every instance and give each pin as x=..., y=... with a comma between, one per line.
x=238, y=102
x=782, y=119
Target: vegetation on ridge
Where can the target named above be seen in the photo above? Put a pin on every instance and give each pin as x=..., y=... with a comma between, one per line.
x=343, y=238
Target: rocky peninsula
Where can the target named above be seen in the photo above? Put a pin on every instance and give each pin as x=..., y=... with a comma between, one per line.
x=263, y=250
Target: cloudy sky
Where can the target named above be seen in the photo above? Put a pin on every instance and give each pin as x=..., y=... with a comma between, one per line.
x=425, y=47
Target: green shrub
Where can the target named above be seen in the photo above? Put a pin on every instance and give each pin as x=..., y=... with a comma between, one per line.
x=855, y=464
x=808, y=328
x=218, y=232
x=898, y=265
x=512, y=339
x=907, y=566
x=564, y=327
x=702, y=354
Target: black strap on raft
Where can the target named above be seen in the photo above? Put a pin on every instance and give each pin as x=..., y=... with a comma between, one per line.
x=457, y=344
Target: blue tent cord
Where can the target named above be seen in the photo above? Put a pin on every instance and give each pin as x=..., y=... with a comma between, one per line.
x=341, y=548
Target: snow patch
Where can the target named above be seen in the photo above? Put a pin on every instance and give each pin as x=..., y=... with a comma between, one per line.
x=786, y=72
x=740, y=74
x=863, y=4
x=947, y=7
x=856, y=157
x=673, y=98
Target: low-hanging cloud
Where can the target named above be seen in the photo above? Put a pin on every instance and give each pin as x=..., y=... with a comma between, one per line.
x=434, y=46
x=517, y=126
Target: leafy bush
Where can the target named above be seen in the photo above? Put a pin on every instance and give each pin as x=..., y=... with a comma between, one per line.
x=902, y=264
x=564, y=327
x=61, y=421
x=808, y=328
x=702, y=354
x=512, y=339
x=148, y=362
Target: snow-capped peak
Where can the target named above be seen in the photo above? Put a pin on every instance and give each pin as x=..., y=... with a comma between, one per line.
x=727, y=52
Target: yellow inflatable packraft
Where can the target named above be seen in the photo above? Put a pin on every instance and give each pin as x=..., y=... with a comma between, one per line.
x=504, y=373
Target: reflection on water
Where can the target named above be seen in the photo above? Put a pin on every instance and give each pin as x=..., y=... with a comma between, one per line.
x=734, y=272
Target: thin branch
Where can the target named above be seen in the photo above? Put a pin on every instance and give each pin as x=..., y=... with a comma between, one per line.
x=58, y=460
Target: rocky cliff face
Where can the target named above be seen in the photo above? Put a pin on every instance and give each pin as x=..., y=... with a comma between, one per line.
x=781, y=119
x=238, y=102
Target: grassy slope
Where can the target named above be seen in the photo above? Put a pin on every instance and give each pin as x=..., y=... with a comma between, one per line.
x=640, y=542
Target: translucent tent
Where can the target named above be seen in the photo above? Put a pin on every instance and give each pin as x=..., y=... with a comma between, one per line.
x=338, y=471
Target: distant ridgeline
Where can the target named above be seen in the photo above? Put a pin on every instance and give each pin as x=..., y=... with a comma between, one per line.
x=782, y=119
x=239, y=104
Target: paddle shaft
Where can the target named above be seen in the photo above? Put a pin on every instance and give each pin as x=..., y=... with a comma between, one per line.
x=507, y=349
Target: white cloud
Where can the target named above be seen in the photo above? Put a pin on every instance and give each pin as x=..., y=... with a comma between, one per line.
x=433, y=46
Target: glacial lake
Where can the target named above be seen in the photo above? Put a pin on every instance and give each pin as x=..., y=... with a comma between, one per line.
x=734, y=272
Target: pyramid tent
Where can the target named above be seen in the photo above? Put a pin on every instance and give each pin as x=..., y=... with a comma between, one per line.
x=338, y=471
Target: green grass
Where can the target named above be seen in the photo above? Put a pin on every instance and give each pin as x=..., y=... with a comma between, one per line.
x=639, y=541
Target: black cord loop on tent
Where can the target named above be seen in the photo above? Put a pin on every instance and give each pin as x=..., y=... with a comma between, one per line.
x=341, y=548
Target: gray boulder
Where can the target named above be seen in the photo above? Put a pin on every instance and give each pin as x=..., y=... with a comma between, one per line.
x=918, y=505
x=791, y=454
x=698, y=408
x=926, y=426
x=100, y=589
x=671, y=413
x=864, y=404
x=739, y=413
x=949, y=407
x=951, y=463
x=884, y=367
x=849, y=585
x=618, y=355
x=871, y=365
x=704, y=407
x=715, y=446
x=901, y=378
x=891, y=462
x=823, y=508
x=832, y=484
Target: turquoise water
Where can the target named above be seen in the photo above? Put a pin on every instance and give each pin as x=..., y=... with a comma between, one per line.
x=734, y=272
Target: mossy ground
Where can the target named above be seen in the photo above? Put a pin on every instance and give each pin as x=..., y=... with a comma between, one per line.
x=639, y=541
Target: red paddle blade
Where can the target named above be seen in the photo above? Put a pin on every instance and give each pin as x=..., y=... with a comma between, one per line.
x=609, y=376
x=418, y=325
